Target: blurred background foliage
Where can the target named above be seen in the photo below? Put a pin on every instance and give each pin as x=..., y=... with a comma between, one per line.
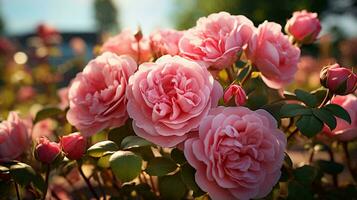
x=106, y=15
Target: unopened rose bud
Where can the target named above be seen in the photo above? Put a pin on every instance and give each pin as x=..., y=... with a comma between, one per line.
x=237, y=92
x=47, y=151
x=338, y=80
x=73, y=145
x=303, y=26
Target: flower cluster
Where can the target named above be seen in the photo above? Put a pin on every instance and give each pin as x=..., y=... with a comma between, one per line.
x=189, y=90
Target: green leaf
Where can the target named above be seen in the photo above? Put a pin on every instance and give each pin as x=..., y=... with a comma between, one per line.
x=133, y=141
x=307, y=98
x=125, y=165
x=22, y=173
x=103, y=161
x=178, y=156
x=320, y=95
x=292, y=110
x=338, y=111
x=188, y=177
x=47, y=113
x=309, y=125
x=118, y=134
x=160, y=166
x=330, y=167
x=325, y=116
x=297, y=191
x=172, y=187
x=100, y=148
x=305, y=174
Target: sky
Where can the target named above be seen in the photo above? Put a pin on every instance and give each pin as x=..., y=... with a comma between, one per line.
x=22, y=16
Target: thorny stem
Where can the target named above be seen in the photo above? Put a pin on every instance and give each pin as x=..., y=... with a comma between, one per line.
x=152, y=185
x=311, y=157
x=46, y=181
x=101, y=186
x=247, y=77
x=87, y=182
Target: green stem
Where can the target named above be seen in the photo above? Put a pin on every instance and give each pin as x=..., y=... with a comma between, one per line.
x=247, y=77
x=326, y=99
x=87, y=182
x=17, y=191
x=293, y=133
x=46, y=180
x=230, y=74
x=332, y=159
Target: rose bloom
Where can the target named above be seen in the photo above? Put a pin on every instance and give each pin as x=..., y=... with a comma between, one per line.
x=237, y=154
x=167, y=99
x=97, y=95
x=165, y=41
x=303, y=26
x=125, y=43
x=14, y=137
x=217, y=39
x=63, y=95
x=47, y=151
x=345, y=131
x=73, y=145
x=272, y=53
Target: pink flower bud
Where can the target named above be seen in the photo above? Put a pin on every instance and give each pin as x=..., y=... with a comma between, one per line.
x=47, y=151
x=73, y=145
x=338, y=80
x=237, y=91
x=303, y=26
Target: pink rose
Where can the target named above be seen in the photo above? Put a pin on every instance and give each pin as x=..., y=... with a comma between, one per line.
x=237, y=92
x=14, y=137
x=97, y=95
x=47, y=151
x=45, y=127
x=272, y=53
x=345, y=131
x=73, y=145
x=217, y=39
x=237, y=154
x=167, y=99
x=125, y=43
x=338, y=80
x=303, y=26
x=63, y=95
x=165, y=41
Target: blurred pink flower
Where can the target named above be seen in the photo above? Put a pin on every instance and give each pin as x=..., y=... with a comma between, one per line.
x=217, y=39
x=165, y=41
x=78, y=46
x=125, y=43
x=167, y=99
x=238, y=153
x=303, y=26
x=272, y=53
x=14, y=137
x=44, y=127
x=345, y=131
x=97, y=95
x=63, y=95
x=25, y=93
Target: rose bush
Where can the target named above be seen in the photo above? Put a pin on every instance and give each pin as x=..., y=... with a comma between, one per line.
x=148, y=119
